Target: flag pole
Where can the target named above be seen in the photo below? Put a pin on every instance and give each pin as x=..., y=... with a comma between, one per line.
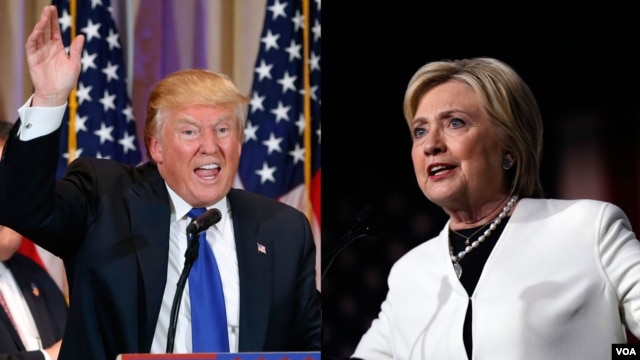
x=307, y=108
x=72, y=143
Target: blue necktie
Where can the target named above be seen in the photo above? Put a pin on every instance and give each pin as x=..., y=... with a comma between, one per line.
x=208, y=314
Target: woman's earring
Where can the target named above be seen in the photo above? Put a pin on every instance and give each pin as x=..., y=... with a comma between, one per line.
x=507, y=163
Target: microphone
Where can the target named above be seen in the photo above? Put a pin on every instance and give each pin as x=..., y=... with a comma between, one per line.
x=204, y=221
x=367, y=224
x=198, y=225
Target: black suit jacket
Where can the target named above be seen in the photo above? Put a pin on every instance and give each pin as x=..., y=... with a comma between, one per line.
x=110, y=224
x=46, y=303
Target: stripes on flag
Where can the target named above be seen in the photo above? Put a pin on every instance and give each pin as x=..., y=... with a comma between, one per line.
x=281, y=152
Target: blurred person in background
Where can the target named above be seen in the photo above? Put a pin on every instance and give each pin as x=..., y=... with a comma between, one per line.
x=34, y=310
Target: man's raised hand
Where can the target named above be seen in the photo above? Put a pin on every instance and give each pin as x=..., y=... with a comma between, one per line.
x=53, y=73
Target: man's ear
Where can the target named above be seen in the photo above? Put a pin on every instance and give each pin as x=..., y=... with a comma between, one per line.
x=155, y=149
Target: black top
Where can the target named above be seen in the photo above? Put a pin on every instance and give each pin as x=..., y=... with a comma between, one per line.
x=472, y=265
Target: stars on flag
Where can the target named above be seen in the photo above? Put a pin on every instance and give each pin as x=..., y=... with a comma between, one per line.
x=274, y=152
x=104, y=124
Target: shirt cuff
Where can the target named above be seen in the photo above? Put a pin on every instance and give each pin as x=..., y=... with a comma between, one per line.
x=39, y=121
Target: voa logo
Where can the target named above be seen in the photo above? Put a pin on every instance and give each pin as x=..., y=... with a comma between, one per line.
x=626, y=351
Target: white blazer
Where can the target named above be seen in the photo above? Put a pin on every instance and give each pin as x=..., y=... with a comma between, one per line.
x=563, y=278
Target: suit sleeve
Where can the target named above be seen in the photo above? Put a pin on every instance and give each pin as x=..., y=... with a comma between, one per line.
x=620, y=256
x=48, y=211
x=311, y=310
x=25, y=355
x=28, y=167
x=374, y=344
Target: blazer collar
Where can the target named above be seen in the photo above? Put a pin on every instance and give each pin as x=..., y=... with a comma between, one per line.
x=254, y=268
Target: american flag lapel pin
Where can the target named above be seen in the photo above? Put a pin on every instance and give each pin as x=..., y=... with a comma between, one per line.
x=34, y=290
x=261, y=248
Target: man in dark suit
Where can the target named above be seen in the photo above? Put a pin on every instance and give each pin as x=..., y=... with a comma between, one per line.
x=28, y=292
x=121, y=230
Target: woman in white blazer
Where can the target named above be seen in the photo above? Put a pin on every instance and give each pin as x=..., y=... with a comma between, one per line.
x=511, y=275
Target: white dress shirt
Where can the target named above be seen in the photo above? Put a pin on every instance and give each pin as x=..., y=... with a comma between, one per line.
x=17, y=305
x=220, y=238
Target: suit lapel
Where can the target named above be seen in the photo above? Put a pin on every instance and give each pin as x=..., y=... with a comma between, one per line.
x=150, y=214
x=254, y=272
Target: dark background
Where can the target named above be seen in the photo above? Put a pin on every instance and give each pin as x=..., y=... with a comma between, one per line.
x=578, y=57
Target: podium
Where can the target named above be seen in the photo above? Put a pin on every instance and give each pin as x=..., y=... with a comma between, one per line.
x=225, y=356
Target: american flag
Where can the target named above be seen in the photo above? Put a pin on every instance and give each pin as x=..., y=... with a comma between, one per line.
x=102, y=125
x=281, y=152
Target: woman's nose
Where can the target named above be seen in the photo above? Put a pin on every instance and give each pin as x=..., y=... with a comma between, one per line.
x=434, y=143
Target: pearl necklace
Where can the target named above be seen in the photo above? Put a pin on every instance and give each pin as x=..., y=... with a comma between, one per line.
x=455, y=259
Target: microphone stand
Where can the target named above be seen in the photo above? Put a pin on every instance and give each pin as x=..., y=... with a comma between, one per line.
x=349, y=237
x=190, y=257
x=360, y=229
